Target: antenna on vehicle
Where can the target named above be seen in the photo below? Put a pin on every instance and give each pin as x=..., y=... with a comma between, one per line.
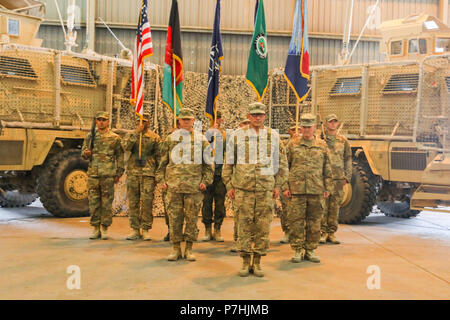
x=126, y=53
x=363, y=29
x=343, y=56
x=60, y=19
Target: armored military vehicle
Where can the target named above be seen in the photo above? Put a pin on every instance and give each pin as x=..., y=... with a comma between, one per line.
x=396, y=117
x=48, y=99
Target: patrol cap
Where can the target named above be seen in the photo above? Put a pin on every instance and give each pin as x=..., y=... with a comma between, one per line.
x=307, y=120
x=102, y=114
x=244, y=121
x=186, y=113
x=257, y=108
x=331, y=117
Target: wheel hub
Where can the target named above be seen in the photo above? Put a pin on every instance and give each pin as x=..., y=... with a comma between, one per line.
x=75, y=185
x=348, y=192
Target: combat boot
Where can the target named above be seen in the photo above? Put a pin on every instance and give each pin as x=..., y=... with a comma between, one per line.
x=217, y=236
x=134, y=235
x=96, y=233
x=285, y=238
x=176, y=252
x=104, y=233
x=208, y=234
x=167, y=237
x=311, y=256
x=188, y=252
x=256, y=266
x=323, y=237
x=245, y=270
x=234, y=248
x=145, y=235
x=297, y=256
x=332, y=238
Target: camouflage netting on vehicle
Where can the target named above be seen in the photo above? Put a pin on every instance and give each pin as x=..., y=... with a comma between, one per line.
x=235, y=96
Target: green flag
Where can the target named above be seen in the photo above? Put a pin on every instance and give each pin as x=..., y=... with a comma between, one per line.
x=258, y=65
x=173, y=60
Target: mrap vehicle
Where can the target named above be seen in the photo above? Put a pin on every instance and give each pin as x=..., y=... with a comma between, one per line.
x=48, y=99
x=395, y=115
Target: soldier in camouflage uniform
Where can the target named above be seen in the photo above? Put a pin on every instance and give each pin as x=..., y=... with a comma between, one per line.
x=106, y=166
x=185, y=172
x=254, y=170
x=309, y=183
x=216, y=192
x=294, y=130
x=141, y=177
x=235, y=248
x=341, y=165
x=162, y=148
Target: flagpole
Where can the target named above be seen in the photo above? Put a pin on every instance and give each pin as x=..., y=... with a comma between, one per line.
x=143, y=84
x=297, y=111
x=174, y=93
x=140, y=139
x=215, y=122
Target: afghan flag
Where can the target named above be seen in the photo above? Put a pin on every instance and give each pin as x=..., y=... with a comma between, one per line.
x=173, y=78
x=215, y=57
x=296, y=71
x=258, y=65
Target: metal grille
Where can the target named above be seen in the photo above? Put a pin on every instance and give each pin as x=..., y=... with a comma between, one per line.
x=400, y=83
x=447, y=82
x=344, y=86
x=16, y=67
x=408, y=160
x=76, y=75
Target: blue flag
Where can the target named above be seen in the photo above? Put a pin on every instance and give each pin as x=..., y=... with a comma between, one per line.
x=296, y=71
x=215, y=57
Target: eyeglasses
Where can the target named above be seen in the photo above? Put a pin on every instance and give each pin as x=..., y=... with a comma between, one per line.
x=257, y=115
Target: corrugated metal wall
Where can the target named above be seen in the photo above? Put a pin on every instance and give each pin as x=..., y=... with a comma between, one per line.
x=196, y=17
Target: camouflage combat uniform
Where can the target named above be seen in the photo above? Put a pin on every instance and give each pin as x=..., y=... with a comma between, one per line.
x=341, y=166
x=141, y=180
x=106, y=163
x=309, y=177
x=216, y=192
x=284, y=202
x=254, y=189
x=184, y=198
x=244, y=123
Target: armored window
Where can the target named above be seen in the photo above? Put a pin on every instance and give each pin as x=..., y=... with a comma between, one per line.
x=13, y=27
x=431, y=25
x=77, y=75
x=447, y=82
x=417, y=46
x=422, y=46
x=413, y=46
x=442, y=45
x=16, y=67
x=402, y=83
x=346, y=86
x=397, y=48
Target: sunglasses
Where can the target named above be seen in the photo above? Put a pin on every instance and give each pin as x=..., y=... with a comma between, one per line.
x=101, y=119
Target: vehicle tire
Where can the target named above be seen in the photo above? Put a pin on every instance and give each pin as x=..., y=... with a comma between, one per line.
x=62, y=185
x=16, y=198
x=364, y=194
x=397, y=209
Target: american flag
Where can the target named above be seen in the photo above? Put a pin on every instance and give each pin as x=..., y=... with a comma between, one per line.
x=143, y=49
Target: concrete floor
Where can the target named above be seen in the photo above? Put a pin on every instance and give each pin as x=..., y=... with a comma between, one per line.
x=36, y=249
